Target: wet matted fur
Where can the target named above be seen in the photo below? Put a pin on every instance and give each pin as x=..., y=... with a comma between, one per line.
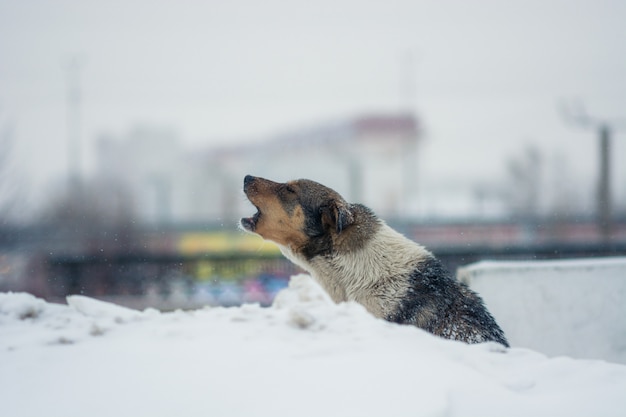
x=355, y=256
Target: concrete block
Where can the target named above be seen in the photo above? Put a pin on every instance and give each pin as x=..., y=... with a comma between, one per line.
x=573, y=308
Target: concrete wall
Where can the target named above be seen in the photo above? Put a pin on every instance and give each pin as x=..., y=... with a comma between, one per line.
x=574, y=308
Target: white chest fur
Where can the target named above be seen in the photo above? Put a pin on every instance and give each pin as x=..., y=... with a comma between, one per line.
x=374, y=275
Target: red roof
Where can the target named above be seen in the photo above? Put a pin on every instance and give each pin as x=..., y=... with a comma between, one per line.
x=386, y=124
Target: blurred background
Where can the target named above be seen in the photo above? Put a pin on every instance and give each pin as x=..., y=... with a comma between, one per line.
x=483, y=130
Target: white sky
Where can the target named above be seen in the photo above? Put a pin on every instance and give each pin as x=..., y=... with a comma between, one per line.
x=487, y=74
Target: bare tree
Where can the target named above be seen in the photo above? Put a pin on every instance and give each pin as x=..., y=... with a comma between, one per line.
x=523, y=190
x=98, y=216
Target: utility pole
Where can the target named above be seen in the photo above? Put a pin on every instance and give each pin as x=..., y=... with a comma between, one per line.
x=575, y=114
x=73, y=67
x=407, y=84
x=605, y=217
x=408, y=98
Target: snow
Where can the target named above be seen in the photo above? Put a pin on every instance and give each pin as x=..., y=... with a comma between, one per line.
x=304, y=356
x=566, y=307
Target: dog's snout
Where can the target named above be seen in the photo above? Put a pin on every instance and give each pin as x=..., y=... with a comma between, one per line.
x=248, y=179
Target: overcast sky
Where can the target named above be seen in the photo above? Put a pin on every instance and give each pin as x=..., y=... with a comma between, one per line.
x=485, y=76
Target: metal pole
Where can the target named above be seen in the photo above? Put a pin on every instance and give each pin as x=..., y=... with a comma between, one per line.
x=604, y=184
x=575, y=113
x=73, y=124
x=355, y=175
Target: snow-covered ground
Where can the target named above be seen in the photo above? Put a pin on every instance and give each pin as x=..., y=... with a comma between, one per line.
x=304, y=356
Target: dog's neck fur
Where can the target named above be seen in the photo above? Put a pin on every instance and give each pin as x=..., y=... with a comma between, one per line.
x=381, y=259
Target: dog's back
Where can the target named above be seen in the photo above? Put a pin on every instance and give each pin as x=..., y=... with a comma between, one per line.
x=402, y=282
x=445, y=307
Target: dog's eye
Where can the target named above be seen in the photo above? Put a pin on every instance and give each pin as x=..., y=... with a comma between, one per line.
x=287, y=193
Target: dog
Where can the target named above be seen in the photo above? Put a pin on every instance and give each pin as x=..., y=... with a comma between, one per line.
x=355, y=256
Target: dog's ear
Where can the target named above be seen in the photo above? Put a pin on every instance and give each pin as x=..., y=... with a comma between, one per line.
x=337, y=215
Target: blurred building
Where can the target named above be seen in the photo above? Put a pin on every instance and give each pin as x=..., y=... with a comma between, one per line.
x=369, y=159
x=147, y=161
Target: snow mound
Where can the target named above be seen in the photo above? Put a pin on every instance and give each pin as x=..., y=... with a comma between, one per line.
x=304, y=356
x=20, y=306
x=302, y=290
x=94, y=308
x=309, y=307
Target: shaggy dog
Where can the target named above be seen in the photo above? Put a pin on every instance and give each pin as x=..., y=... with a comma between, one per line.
x=355, y=256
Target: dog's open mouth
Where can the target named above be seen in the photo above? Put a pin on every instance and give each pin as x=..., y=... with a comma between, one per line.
x=249, y=223
x=249, y=189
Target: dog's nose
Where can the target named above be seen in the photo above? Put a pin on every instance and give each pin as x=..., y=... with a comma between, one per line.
x=247, y=180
